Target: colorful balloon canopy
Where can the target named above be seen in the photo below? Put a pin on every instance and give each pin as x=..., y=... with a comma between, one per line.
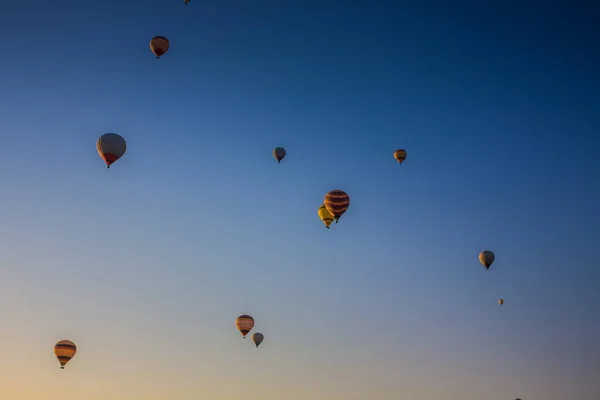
x=337, y=202
x=111, y=147
x=501, y=301
x=244, y=324
x=400, y=155
x=159, y=45
x=487, y=258
x=325, y=216
x=64, y=351
x=279, y=153
x=258, y=338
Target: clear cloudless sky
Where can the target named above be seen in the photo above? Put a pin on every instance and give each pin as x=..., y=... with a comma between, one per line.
x=145, y=266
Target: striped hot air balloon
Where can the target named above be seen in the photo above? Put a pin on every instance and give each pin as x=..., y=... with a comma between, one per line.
x=64, y=351
x=111, y=147
x=337, y=202
x=400, y=155
x=325, y=216
x=159, y=45
x=244, y=324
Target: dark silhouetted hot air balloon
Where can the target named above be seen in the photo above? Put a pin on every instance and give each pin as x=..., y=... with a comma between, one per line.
x=258, y=338
x=337, y=202
x=279, y=153
x=64, y=351
x=159, y=45
x=400, y=155
x=186, y=1
x=244, y=324
x=487, y=258
x=111, y=147
x=325, y=216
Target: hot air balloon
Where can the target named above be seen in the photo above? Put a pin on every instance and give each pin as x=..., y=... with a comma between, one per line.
x=159, y=45
x=244, y=324
x=186, y=1
x=111, y=147
x=501, y=301
x=279, y=153
x=325, y=216
x=64, y=351
x=400, y=155
x=337, y=202
x=486, y=258
x=258, y=338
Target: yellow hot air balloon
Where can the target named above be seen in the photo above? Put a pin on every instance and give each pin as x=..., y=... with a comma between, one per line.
x=325, y=216
x=337, y=202
x=111, y=147
x=159, y=45
x=64, y=351
x=279, y=153
x=487, y=258
x=400, y=155
x=244, y=324
x=501, y=301
x=258, y=338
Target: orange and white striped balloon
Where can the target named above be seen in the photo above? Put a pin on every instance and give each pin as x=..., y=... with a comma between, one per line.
x=337, y=202
x=64, y=351
x=244, y=324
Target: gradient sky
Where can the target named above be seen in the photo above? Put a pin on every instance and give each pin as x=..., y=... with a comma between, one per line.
x=146, y=265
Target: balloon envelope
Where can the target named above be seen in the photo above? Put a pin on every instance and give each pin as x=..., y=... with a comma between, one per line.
x=64, y=350
x=501, y=301
x=159, y=45
x=325, y=216
x=244, y=324
x=486, y=258
x=337, y=202
x=111, y=147
x=400, y=155
x=279, y=153
x=258, y=338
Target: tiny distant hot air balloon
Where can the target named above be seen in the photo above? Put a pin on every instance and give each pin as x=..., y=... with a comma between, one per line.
x=279, y=153
x=244, y=324
x=487, y=258
x=325, y=216
x=64, y=351
x=337, y=202
x=111, y=147
x=258, y=338
x=186, y=1
x=159, y=45
x=400, y=155
x=501, y=301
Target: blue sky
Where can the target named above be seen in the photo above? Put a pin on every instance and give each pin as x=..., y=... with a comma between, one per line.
x=145, y=266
